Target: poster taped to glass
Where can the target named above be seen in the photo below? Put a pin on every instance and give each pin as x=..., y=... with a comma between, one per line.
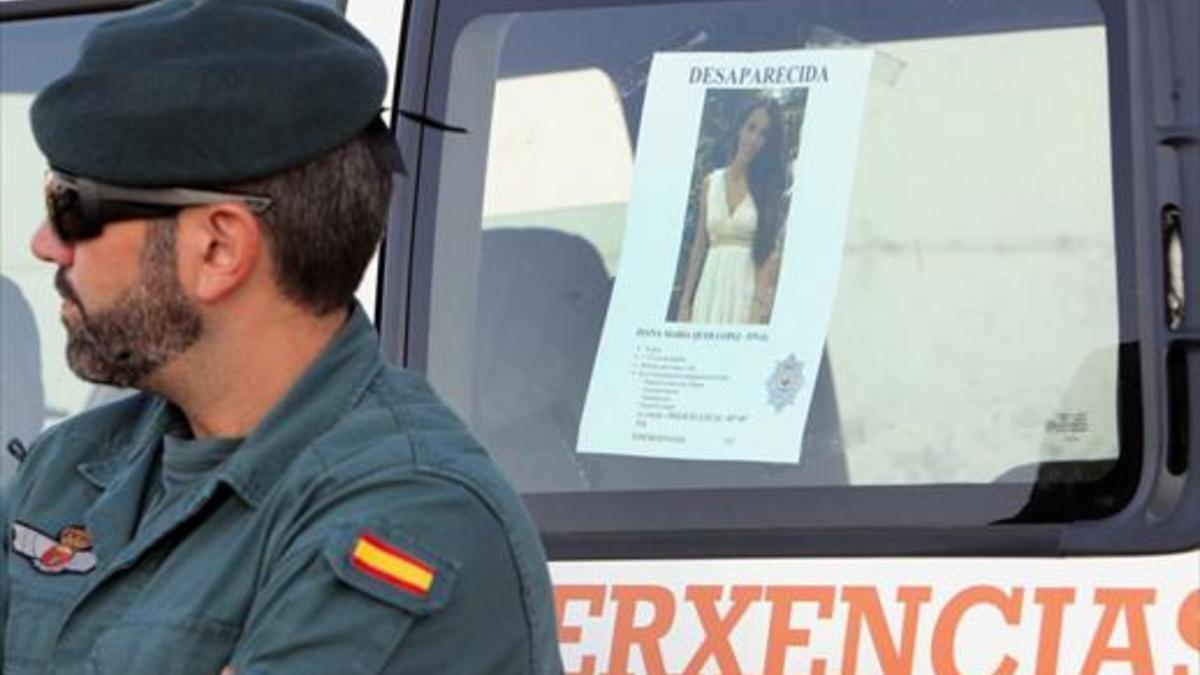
x=731, y=255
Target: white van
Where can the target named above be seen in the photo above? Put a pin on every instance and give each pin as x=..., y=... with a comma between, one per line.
x=998, y=465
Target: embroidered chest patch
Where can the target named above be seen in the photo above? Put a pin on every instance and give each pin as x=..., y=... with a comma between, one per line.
x=392, y=565
x=71, y=552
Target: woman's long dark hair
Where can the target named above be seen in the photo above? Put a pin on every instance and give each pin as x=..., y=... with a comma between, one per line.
x=765, y=176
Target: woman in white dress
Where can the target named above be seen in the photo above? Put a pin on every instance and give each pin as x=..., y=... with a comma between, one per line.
x=734, y=259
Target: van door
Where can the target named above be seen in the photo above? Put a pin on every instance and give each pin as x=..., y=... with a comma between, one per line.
x=987, y=233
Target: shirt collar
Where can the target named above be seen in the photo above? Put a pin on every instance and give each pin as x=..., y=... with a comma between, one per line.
x=124, y=449
x=332, y=385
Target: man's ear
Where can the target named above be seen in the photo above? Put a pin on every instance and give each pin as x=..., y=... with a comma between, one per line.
x=219, y=247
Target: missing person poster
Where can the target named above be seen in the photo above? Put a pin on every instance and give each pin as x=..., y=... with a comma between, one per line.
x=731, y=255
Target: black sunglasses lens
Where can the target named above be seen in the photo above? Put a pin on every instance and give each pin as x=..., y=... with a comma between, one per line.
x=78, y=210
x=65, y=211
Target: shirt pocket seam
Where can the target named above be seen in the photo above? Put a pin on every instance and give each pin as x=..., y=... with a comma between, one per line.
x=226, y=633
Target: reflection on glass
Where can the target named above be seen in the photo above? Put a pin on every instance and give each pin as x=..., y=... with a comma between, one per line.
x=31, y=54
x=975, y=328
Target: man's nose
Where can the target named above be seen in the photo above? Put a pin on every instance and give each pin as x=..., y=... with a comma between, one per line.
x=46, y=246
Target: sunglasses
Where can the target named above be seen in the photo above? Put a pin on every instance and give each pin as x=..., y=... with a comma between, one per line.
x=79, y=208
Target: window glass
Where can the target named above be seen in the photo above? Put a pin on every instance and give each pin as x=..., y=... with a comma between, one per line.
x=975, y=326
x=37, y=386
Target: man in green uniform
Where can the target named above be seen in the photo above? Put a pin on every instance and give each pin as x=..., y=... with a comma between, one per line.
x=277, y=500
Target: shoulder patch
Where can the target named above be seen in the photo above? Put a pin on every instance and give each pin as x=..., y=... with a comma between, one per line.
x=392, y=566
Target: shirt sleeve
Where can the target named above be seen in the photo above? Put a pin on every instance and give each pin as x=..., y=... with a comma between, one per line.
x=345, y=601
x=411, y=576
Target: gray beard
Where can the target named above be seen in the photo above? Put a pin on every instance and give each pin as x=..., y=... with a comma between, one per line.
x=151, y=323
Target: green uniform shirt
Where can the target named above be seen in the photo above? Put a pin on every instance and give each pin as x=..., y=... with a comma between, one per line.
x=358, y=529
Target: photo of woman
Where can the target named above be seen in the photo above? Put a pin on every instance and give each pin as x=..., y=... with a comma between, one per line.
x=730, y=257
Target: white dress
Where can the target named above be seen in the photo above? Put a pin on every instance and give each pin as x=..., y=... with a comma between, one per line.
x=725, y=292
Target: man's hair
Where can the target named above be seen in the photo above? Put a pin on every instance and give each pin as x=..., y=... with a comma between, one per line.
x=326, y=218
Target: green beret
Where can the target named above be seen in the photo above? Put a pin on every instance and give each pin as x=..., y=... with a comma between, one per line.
x=209, y=92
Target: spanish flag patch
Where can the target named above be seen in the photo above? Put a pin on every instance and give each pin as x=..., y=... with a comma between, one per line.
x=391, y=565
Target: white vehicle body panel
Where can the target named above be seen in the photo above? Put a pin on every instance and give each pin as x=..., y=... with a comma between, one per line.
x=880, y=615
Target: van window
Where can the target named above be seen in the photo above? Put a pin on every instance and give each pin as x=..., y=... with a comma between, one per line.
x=975, y=338
x=37, y=387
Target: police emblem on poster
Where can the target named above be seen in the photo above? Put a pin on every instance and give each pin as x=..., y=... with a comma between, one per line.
x=785, y=382
x=731, y=255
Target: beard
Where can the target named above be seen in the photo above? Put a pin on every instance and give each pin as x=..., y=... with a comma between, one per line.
x=152, y=322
